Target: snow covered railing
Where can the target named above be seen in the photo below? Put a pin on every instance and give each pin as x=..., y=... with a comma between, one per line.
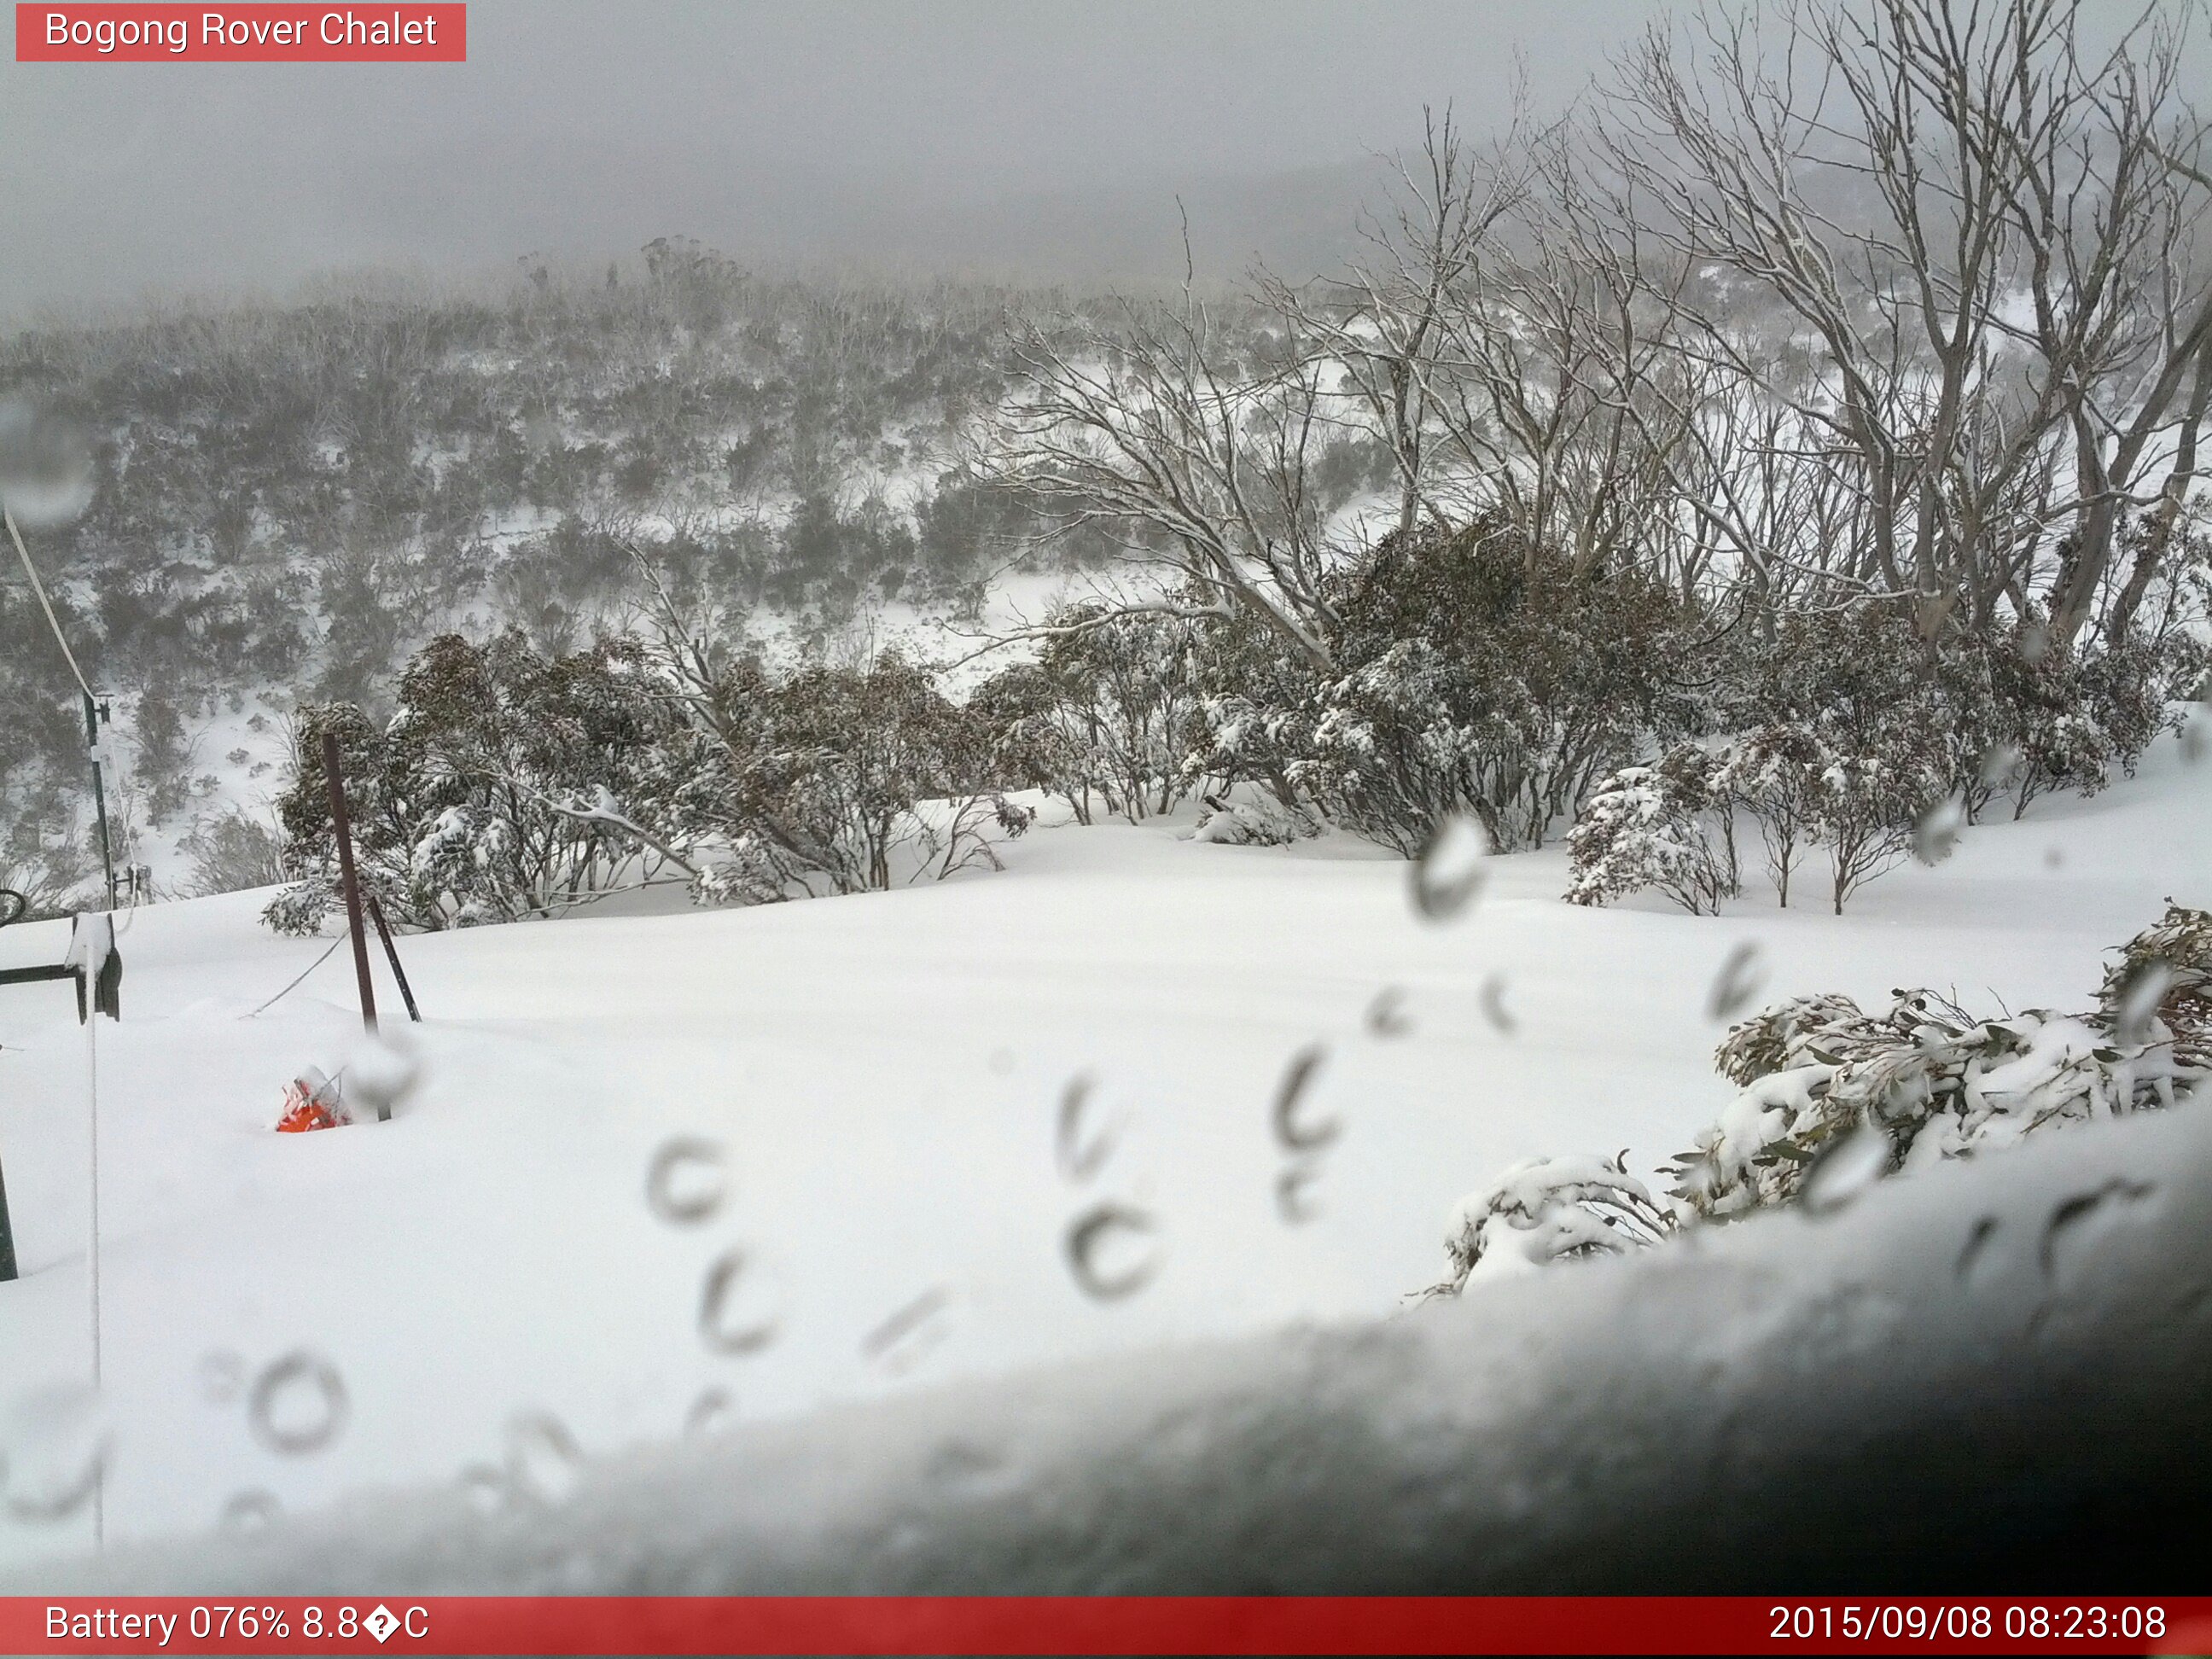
x=1987, y=1376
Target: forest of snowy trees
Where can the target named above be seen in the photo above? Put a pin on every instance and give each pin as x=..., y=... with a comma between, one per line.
x=1780, y=460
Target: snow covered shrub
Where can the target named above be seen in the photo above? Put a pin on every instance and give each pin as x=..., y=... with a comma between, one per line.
x=1774, y=774
x=836, y=780
x=2023, y=715
x=1939, y=1082
x=1919, y=1083
x=1671, y=825
x=1109, y=710
x=1261, y=821
x=1849, y=725
x=1550, y=1209
x=1256, y=710
x=1030, y=747
x=478, y=801
x=1478, y=673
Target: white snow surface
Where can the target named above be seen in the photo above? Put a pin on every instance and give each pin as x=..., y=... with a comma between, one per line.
x=884, y=1076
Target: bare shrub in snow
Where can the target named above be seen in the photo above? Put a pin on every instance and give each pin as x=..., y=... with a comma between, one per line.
x=1106, y=714
x=233, y=851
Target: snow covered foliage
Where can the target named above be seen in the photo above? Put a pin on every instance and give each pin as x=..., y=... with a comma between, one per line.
x=1106, y=715
x=833, y=781
x=1550, y=1209
x=1671, y=826
x=1822, y=1083
x=464, y=804
x=1474, y=672
x=1844, y=732
x=1260, y=821
x=1939, y=1082
x=510, y=784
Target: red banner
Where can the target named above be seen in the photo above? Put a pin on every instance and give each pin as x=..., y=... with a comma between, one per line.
x=113, y=33
x=1104, y=1624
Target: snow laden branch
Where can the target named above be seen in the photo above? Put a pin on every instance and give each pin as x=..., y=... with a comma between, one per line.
x=1832, y=1094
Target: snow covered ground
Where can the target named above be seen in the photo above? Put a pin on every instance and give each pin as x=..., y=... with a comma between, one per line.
x=485, y=1280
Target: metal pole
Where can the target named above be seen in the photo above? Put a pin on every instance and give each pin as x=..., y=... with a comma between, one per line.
x=99, y=793
x=391, y=955
x=92, y=1256
x=343, y=830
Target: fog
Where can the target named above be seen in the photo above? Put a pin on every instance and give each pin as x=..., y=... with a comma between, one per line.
x=1024, y=138
x=1029, y=138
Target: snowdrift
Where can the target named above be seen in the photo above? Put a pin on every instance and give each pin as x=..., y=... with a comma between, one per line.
x=1988, y=1377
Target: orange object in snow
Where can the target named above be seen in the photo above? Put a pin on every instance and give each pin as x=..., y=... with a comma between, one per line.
x=311, y=1101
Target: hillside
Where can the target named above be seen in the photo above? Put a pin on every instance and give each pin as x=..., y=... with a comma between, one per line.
x=885, y=1074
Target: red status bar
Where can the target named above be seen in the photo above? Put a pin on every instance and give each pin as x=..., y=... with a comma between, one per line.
x=1104, y=1624
x=114, y=34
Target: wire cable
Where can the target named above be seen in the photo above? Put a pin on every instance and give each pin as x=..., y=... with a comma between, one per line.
x=46, y=605
x=294, y=985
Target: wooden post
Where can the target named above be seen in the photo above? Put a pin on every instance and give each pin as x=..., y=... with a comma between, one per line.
x=343, y=830
x=391, y=955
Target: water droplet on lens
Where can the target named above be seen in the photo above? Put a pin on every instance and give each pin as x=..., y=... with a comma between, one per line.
x=1449, y=872
x=2000, y=764
x=2053, y=857
x=543, y=1461
x=1112, y=1250
x=1738, y=981
x=485, y=1487
x=2034, y=643
x=710, y=1413
x=909, y=1336
x=2140, y=1001
x=1386, y=1015
x=1493, y=1007
x=1080, y=1160
x=298, y=1404
x=2078, y=1225
x=1937, y=832
x=685, y=1182
x=46, y=473
x=1296, y=1136
x=2196, y=736
x=60, y=1444
x=1845, y=1168
x=249, y=1512
x=221, y=1376
x=383, y=1070
x=737, y=1311
x=1294, y=1200
x=971, y=1469
x=1976, y=1254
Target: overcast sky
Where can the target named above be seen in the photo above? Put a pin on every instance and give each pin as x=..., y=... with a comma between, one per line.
x=765, y=128
x=1039, y=137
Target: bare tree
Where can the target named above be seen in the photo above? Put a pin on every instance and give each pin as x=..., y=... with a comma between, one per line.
x=1979, y=235
x=1191, y=447
x=1384, y=324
